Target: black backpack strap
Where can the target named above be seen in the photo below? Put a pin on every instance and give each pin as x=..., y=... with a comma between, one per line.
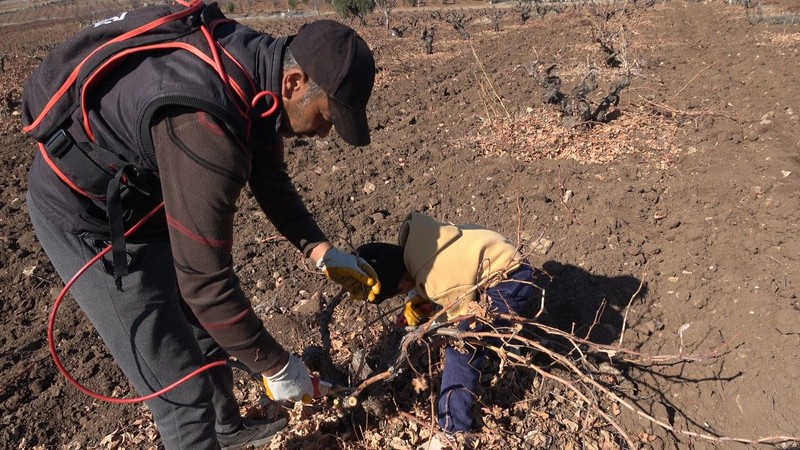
x=95, y=165
x=88, y=162
x=116, y=226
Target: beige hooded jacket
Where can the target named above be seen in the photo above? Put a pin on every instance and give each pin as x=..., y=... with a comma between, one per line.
x=447, y=261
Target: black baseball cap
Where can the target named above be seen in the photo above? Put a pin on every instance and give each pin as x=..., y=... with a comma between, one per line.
x=341, y=63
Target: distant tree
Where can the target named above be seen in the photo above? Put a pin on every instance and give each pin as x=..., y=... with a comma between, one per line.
x=427, y=37
x=349, y=9
x=400, y=30
x=386, y=7
x=494, y=17
x=523, y=9
x=458, y=20
x=230, y=7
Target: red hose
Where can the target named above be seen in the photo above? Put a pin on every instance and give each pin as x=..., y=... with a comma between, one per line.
x=52, y=320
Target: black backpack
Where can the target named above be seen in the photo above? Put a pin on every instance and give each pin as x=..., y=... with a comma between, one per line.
x=54, y=103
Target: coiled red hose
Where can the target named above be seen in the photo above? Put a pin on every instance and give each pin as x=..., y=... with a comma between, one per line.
x=51, y=332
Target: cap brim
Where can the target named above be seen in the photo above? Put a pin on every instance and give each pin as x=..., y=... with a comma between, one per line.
x=351, y=124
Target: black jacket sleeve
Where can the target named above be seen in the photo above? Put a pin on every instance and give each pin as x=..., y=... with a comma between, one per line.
x=203, y=171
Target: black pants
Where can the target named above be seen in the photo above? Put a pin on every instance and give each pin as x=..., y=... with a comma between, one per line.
x=151, y=333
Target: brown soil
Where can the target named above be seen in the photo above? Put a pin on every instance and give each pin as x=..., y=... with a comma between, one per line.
x=690, y=192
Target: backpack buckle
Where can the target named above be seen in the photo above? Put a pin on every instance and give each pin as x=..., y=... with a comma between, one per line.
x=59, y=143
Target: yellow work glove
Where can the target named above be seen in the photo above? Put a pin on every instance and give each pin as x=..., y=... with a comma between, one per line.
x=352, y=273
x=417, y=309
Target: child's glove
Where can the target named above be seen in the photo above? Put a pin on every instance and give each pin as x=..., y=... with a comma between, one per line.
x=293, y=382
x=352, y=273
x=416, y=309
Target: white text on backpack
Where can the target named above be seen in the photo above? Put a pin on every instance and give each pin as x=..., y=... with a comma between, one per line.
x=111, y=19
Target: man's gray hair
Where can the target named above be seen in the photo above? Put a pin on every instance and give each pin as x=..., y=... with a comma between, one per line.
x=314, y=90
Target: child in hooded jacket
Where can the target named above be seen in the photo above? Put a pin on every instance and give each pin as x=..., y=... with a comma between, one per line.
x=449, y=265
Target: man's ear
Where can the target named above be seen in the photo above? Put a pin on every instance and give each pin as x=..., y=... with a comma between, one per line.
x=294, y=82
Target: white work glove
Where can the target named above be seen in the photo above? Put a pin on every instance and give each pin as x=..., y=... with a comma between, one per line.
x=352, y=273
x=293, y=382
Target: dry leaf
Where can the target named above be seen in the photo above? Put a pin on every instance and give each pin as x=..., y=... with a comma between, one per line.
x=540, y=414
x=607, y=441
x=419, y=384
x=572, y=426
x=645, y=437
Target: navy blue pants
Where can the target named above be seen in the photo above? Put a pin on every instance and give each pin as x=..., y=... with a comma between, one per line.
x=462, y=371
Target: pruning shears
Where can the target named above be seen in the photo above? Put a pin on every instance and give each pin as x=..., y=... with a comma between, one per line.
x=324, y=388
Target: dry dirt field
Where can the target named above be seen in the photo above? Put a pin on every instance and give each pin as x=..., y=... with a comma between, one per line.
x=673, y=227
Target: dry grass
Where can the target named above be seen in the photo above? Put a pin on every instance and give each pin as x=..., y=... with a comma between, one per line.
x=784, y=39
x=540, y=135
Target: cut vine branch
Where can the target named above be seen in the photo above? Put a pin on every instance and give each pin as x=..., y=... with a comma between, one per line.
x=515, y=349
